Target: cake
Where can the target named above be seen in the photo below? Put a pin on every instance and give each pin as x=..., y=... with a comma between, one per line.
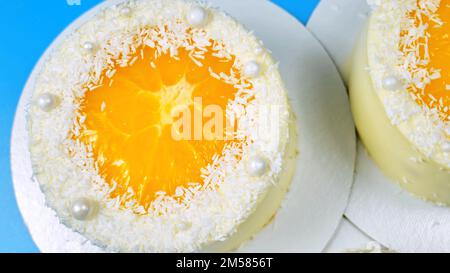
x=400, y=94
x=161, y=126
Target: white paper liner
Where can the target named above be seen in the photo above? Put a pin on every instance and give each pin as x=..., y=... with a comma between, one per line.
x=319, y=191
x=377, y=206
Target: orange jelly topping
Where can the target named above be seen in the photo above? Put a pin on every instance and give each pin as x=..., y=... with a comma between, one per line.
x=129, y=122
x=434, y=48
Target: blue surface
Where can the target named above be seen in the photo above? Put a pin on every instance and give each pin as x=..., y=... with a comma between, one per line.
x=27, y=28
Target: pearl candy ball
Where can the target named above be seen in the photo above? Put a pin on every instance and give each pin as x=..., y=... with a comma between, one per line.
x=252, y=69
x=82, y=209
x=47, y=102
x=257, y=166
x=392, y=83
x=88, y=46
x=197, y=16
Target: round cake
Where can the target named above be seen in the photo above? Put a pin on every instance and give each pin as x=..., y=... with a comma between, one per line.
x=161, y=126
x=400, y=94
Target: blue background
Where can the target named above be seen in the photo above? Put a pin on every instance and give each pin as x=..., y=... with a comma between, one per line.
x=27, y=28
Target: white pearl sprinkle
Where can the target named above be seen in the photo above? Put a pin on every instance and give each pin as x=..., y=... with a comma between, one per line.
x=47, y=101
x=82, y=209
x=257, y=166
x=252, y=69
x=197, y=16
x=88, y=46
x=126, y=11
x=391, y=83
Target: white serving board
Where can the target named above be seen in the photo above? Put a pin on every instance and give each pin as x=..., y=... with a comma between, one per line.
x=319, y=192
x=378, y=207
x=348, y=237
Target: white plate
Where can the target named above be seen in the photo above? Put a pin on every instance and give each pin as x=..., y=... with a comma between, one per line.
x=337, y=24
x=377, y=206
x=348, y=237
x=319, y=192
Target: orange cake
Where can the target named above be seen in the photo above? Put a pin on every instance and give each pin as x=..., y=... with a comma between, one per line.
x=159, y=126
x=400, y=92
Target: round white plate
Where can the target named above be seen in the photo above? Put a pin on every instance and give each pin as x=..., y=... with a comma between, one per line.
x=377, y=206
x=320, y=189
x=348, y=237
x=337, y=24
